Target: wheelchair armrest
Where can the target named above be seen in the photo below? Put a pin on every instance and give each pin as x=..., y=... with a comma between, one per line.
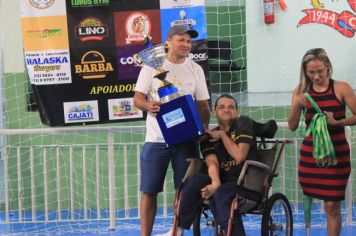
x=263, y=167
x=194, y=167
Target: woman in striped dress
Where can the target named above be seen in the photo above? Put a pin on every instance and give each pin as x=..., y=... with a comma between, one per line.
x=332, y=97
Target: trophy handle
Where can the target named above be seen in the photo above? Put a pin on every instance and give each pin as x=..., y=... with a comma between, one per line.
x=137, y=60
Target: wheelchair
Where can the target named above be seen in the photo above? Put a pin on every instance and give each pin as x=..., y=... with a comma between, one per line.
x=254, y=183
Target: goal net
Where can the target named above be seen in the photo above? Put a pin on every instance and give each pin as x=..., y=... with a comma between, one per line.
x=86, y=178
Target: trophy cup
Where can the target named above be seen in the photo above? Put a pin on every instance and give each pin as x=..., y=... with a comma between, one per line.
x=154, y=56
x=178, y=117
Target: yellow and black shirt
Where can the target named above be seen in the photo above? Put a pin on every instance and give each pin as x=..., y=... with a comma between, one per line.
x=241, y=131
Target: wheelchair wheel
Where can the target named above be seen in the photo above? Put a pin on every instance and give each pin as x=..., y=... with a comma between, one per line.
x=204, y=222
x=277, y=219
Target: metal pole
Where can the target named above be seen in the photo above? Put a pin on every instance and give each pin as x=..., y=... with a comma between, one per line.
x=112, y=189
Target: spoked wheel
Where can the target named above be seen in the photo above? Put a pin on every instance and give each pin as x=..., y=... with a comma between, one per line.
x=277, y=220
x=204, y=223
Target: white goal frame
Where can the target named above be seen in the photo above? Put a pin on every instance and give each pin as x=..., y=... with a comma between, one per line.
x=112, y=175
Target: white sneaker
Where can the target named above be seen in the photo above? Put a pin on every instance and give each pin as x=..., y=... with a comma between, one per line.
x=180, y=232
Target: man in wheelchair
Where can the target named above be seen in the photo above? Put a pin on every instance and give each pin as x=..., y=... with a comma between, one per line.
x=224, y=150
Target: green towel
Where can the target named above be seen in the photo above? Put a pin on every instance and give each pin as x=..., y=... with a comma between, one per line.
x=324, y=151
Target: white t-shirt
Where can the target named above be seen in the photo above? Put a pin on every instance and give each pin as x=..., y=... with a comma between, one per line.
x=188, y=76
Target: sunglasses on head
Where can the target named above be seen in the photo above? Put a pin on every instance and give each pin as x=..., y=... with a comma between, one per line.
x=315, y=51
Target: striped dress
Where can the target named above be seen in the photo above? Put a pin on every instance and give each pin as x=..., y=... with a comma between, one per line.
x=325, y=183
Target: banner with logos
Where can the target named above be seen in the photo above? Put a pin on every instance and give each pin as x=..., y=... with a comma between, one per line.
x=79, y=54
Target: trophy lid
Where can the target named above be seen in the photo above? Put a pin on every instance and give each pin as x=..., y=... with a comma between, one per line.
x=154, y=57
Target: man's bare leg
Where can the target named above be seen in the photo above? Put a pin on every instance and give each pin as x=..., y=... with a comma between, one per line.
x=148, y=213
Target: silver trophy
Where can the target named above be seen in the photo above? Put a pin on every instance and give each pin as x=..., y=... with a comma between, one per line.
x=154, y=57
x=178, y=117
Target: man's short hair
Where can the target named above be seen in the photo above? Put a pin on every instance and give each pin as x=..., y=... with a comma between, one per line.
x=226, y=96
x=181, y=29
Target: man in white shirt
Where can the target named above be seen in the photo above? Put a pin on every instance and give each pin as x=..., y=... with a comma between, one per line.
x=155, y=156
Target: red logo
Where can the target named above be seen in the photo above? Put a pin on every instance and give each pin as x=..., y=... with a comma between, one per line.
x=344, y=22
x=352, y=4
x=138, y=26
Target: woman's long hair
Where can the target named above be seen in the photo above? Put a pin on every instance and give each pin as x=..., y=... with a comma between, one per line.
x=304, y=84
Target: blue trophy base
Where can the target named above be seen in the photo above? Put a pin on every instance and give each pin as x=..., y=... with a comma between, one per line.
x=179, y=120
x=167, y=90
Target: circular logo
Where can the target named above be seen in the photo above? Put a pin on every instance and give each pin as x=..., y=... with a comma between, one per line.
x=137, y=25
x=41, y=4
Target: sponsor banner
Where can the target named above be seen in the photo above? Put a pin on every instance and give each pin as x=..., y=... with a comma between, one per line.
x=31, y=8
x=133, y=26
x=129, y=5
x=45, y=33
x=181, y=3
x=80, y=6
x=89, y=3
x=48, y=67
x=128, y=67
x=199, y=54
x=91, y=30
x=81, y=112
x=205, y=66
x=194, y=17
x=83, y=51
x=111, y=90
x=93, y=64
x=123, y=108
x=199, y=51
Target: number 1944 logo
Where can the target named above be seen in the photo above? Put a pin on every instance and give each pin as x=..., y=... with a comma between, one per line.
x=344, y=22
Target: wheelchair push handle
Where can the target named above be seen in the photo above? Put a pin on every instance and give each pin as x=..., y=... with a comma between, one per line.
x=265, y=130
